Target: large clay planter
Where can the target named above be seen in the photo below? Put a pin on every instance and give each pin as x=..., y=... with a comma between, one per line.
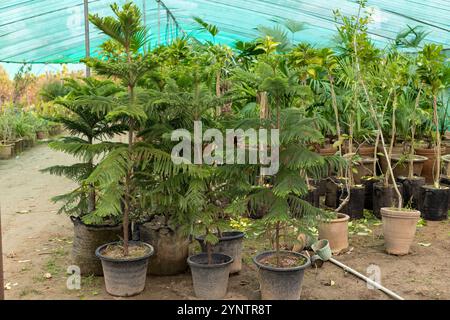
x=446, y=167
x=364, y=168
x=6, y=151
x=86, y=239
x=327, y=151
x=402, y=168
x=398, y=149
x=171, y=249
x=336, y=232
x=399, y=229
x=366, y=151
x=428, y=166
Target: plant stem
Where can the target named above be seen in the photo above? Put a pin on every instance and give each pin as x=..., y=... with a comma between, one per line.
x=413, y=134
x=437, y=169
x=393, y=133
x=374, y=115
x=277, y=242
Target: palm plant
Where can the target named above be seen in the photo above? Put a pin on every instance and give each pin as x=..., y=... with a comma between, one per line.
x=435, y=75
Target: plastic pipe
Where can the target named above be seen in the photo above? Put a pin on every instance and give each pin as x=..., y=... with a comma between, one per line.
x=368, y=280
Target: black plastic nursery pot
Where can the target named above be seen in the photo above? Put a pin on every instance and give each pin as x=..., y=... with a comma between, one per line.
x=355, y=206
x=434, y=202
x=313, y=197
x=278, y=283
x=368, y=183
x=125, y=277
x=171, y=249
x=229, y=244
x=87, y=238
x=333, y=191
x=411, y=190
x=384, y=197
x=210, y=280
x=445, y=180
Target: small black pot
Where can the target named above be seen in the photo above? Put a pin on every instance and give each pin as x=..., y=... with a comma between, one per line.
x=229, y=244
x=434, y=203
x=355, y=207
x=322, y=187
x=210, y=280
x=280, y=283
x=445, y=180
x=124, y=277
x=313, y=197
x=384, y=197
x=411, y=190
x=368, y=183
x=333, y=189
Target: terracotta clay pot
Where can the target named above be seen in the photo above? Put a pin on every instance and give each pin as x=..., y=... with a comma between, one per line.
x=364, y=168
x=327, y=151
x=366, y=151
x=428, y=166
x=446, y=166
x=399, y=229
x=336, y=232
x=402, y=168
x=6, y=151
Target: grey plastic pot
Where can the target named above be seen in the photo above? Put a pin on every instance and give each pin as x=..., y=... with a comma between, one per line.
x=280, y=283
x=124, y=277
x=210, y=280
x=229, y=244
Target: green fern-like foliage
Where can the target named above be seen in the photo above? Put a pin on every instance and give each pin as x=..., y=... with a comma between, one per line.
x=84, y=117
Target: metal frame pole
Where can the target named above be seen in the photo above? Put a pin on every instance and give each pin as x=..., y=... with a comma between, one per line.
x=159, y=22
x=87, y=43
x=145, y=19
x=2, y=285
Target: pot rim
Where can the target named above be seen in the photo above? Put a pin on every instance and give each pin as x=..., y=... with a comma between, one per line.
x=402, y=214
x=446, y=158
x=342, y=217
x=146, y=256
x=77, y=220
x=431, y=187
x=404, y=178
x=226, y=236
x=194, y=264
x=279, y=269
x=417, y=158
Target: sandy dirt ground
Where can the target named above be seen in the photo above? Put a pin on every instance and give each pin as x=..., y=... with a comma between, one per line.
x=37, y=244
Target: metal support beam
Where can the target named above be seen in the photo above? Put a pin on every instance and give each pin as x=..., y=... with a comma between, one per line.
x=159, y=22
x=2, y=285
x=87, y=43
x=145, y=19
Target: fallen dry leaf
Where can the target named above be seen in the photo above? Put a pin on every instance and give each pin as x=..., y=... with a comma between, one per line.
x=424, y=244
x=11, y=255
x=48, y=275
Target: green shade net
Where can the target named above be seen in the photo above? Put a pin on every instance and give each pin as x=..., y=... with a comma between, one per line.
x=52, y=31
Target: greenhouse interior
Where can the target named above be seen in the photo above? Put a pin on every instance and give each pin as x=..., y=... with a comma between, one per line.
x=224, y=150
